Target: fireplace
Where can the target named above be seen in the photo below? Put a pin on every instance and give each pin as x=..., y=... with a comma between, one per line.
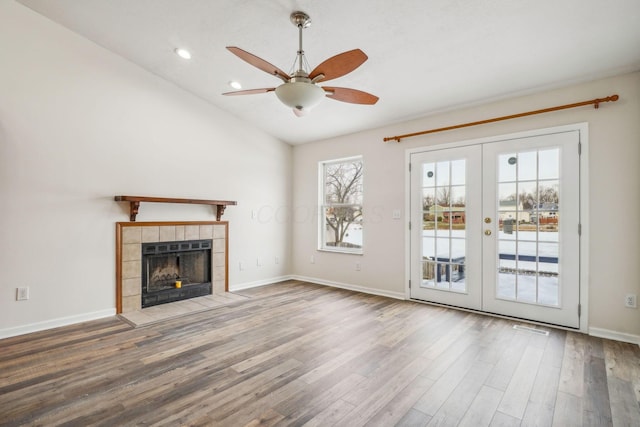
x=173, y=271
x=159, y=240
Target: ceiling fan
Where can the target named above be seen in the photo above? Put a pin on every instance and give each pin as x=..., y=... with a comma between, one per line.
x=299, y=89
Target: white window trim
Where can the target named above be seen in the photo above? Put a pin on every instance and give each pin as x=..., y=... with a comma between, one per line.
x=321, y=219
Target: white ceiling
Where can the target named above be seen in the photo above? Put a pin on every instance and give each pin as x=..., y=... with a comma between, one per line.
x=424, y=55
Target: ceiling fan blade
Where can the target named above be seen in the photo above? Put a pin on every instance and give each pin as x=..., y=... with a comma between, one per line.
x=350, y=95
x=251, y=91
x=259, y=63
x=339, y=65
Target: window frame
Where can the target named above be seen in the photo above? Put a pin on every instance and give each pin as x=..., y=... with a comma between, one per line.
x=322, y=205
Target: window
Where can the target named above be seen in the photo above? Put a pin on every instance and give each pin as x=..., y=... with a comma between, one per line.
x=340, y=218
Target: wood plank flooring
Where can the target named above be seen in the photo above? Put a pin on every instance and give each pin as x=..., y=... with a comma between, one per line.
x=295, y=353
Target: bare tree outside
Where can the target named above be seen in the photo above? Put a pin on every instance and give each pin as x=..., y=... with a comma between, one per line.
x=546, y=194
x=343, y=201
x=444, y=196
x=427, y=202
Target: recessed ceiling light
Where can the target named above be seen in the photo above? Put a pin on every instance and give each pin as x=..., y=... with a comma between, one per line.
x=183, y=53
x=234, y=84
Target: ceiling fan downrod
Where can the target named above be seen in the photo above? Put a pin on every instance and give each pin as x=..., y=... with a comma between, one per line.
x=302, y=21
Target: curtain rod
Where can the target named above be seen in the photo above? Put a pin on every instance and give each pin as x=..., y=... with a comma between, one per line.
x=595, y=102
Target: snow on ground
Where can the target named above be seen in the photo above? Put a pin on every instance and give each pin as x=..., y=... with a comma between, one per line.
x=511, y=286
x=525, y=286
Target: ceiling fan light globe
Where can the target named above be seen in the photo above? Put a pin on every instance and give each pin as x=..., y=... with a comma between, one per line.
x=300, y=112
x=300, y=95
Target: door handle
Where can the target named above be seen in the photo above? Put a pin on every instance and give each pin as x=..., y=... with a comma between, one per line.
x=487, y=232
x=487, y=220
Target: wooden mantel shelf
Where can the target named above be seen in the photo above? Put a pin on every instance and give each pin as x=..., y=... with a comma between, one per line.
x=134, y=203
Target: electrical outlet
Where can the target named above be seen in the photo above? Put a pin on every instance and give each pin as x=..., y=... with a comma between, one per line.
x=312, y=259
x=240, y=266
x=277, y=260
x=258, y=262
x=22, y=293
x=357, y=266
x=630, y=301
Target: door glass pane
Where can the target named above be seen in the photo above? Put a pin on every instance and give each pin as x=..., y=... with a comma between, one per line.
x=458, y=172
x=526, y=287
x=506, y=288
x=507, y=197
x=549, y=164
x=442, y=174
x=442, y=249
x=458, y=218
x=428, y=273
x=527, y=166
x=428, y=175
x=442, y=275
x=443, y=197
x=549, y=292
x=428, y=246
x=548, y=254
x=458, y=197
x=507, y=167
x=458, y=278
x=428, y=208
x=528, y=212
x=507, y=250
x=547, y=209
x=528, y=200
x=507, y=224
x=458, y=250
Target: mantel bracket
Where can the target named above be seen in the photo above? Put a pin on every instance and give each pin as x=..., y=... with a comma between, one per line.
x=133, y=210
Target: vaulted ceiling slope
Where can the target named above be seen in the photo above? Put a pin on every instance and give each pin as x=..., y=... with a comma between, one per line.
x=424, y=55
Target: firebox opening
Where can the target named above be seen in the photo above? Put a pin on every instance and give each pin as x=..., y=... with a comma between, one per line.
x=165, y=263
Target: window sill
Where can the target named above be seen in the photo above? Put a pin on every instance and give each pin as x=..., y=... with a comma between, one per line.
x=342, y=251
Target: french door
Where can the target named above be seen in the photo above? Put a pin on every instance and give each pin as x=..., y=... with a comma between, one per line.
x=494, y=227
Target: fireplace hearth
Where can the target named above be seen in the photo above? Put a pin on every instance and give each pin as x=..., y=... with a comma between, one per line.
x=173, y=271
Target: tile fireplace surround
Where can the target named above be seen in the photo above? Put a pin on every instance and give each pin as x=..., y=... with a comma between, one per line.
x=129, y=239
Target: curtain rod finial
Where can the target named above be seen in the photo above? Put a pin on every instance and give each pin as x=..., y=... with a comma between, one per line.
x=391, y=138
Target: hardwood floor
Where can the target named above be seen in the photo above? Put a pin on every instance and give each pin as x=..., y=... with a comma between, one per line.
x=301, y=354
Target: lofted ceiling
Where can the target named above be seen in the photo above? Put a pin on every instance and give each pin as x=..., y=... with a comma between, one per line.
x=425, y=56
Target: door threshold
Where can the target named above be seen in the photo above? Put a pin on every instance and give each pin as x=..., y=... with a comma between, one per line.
x=500, y=316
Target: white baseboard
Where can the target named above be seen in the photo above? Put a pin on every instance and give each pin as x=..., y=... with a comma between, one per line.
x=56, y=323
x=257, y=283
x=357, y=288
x=85, y=317
x=614, y=335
